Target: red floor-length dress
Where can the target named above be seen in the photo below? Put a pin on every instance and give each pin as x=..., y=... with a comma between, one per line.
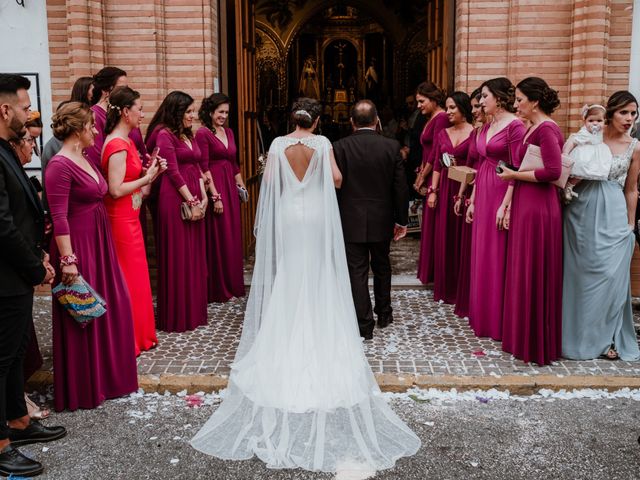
x=182, y=268
x=425, y=260
x=532, y=319
x=224, y=231
x=464, y=273
x=488, y=244
x=448, y=226
x=124, y=214
x=97, y=362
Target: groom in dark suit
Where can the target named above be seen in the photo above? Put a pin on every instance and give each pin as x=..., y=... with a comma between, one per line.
x=373, y=203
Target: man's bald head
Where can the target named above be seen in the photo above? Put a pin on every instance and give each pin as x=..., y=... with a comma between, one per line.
x=364, y=114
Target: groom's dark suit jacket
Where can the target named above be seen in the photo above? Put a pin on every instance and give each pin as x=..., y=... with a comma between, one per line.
x=374, y=193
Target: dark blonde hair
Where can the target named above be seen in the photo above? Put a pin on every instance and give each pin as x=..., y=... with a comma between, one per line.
x=70, y=118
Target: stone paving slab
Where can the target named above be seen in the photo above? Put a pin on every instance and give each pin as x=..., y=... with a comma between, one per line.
x=426, y=338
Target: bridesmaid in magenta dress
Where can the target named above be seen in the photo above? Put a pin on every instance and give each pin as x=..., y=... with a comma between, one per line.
x=532, y=319
x=122, y=168
x=498, y=141
x=431, y=102
x=224, y=230
x=96, y=362
x=181, y=253
x=103, y=83
x=460, y=207
x=453, y=142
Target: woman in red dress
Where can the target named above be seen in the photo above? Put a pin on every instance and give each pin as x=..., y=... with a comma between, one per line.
x=122, y=167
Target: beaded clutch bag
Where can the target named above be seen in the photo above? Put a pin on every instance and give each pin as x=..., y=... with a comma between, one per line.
x=80, y=300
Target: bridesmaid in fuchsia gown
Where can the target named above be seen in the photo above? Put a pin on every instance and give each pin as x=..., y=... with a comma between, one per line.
x=224, y=231
x=182, y=268
x=498, y=141
x=95, y=362
x=431, y=102
x=452, y=142
x=532, y=320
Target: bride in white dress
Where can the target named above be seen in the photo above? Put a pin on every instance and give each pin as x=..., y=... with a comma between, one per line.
x=301, y=393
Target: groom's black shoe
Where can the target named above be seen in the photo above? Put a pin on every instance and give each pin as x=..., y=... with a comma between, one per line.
x=12, y=462
x=385, y=320
x=35, y=433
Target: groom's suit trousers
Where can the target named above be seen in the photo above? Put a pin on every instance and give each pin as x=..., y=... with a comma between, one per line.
x=358, y=257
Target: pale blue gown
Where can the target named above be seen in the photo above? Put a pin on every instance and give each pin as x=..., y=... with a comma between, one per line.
x=598, y=246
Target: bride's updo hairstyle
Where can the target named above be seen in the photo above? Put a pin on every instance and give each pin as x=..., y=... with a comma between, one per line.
x=537, y=90
x=304, y=112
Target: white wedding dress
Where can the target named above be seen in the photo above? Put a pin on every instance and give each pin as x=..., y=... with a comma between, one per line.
x=301, y=393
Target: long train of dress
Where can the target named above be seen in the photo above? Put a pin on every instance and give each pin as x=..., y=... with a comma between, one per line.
x=301, y=393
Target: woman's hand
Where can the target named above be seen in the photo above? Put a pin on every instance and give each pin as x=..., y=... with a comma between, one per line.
x=507, y=175
x=204, y=204
x=507, y=218
x=69, y=274
x=470, y=212
x=432, y=201
x=197, y=213
x=500, y=214
x=457, y=207
x=218, y=207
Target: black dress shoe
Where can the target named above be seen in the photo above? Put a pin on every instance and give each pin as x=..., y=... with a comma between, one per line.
x=35, y=433
x=12, y=462
x=384, y=320
x=366, y=335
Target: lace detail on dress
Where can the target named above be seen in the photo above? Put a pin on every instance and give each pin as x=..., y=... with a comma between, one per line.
x=620, y=164
x=313, y=141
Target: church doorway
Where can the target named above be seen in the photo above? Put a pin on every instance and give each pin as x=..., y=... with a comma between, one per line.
x=337, y=51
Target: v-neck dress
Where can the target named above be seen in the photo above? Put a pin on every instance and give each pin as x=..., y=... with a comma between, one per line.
x=96, y=362
x=448, y=226
x=182, y=269
x=429, y=146
x=224, y=231
x=488, y=244
x=532, y=318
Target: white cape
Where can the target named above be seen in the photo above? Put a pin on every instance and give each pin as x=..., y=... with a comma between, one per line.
x=301, y=393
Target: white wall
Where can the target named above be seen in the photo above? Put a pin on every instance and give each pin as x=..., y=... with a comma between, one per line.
x=24, y=48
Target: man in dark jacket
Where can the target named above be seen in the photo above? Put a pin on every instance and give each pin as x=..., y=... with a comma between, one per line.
x=22, y=266
x=373, y=206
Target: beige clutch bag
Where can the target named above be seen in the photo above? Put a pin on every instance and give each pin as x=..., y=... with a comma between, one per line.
x=533, y=161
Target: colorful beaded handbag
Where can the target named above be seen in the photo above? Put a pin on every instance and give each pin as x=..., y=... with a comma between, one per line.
x=80, y=300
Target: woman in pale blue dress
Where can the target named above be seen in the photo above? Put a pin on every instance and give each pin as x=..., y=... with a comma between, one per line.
x=597, y=319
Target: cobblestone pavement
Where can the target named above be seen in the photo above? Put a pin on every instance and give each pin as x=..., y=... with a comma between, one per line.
x=425, y=338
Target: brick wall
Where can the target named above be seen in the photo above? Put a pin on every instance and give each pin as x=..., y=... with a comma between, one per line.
x=162, y=45
x=581, y=47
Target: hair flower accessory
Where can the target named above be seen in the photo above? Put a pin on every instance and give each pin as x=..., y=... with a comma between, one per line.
x=304, y=113
x=113, y=107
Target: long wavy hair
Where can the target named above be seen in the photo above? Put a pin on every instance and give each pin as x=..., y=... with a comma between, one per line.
x=170, y=115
